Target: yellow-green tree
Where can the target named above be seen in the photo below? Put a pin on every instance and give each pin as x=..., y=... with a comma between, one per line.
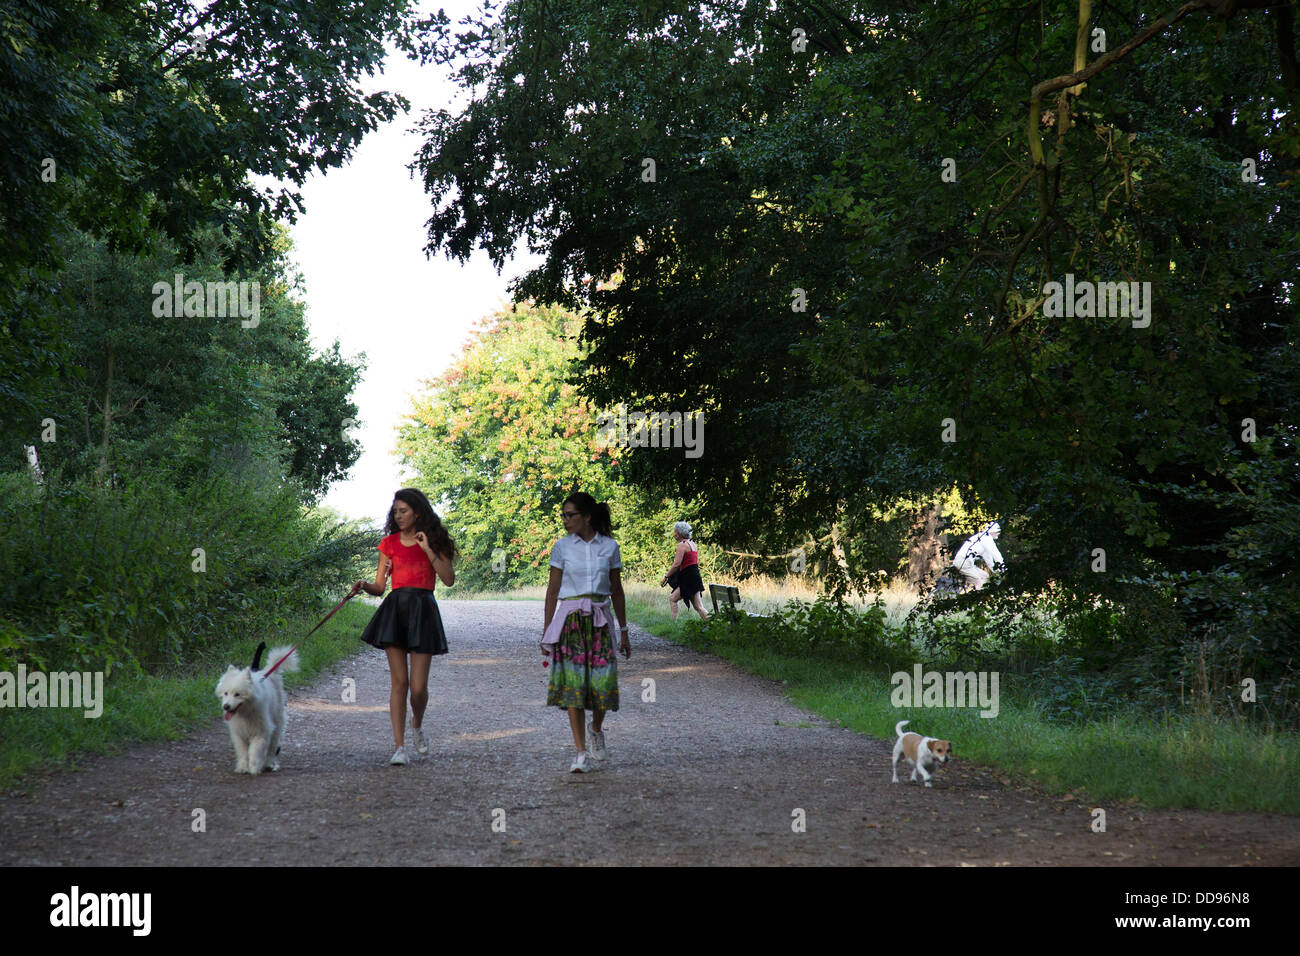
x=502, y=438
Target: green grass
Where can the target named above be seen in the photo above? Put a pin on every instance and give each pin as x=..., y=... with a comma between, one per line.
x=1185, y=761
x=163, y=706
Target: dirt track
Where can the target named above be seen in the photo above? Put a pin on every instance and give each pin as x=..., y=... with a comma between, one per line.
x=711, y=772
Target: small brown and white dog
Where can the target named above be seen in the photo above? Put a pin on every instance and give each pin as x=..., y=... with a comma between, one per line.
x=922, y=752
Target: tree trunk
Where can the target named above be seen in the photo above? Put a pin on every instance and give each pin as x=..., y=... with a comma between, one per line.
x=925, y=557
x=108, y=416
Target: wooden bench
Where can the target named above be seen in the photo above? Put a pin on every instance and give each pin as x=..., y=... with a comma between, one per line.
x=726, y=593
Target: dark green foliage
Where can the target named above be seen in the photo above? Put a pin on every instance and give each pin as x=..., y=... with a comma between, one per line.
x=821, y=170
x=823, y=629
x=140, y=120
x=131, y=132
x=184, y=395
x=95, y=577
x=155, y=113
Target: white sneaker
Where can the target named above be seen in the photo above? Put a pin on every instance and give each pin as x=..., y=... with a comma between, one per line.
x=579, y=764
x=421, y=745
x=399, y=757
x=596, y=740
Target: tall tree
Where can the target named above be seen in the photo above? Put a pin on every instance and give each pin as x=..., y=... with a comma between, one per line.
x=854, y=216
x=148, y=386
x=134, y=118
x=502, y=439
x=143, y=114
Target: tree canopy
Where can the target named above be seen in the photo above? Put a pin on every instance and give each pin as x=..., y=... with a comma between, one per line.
x=847, y=218
x=179, y=438
x=138, y=120
x=187, y=394
x=504, y=439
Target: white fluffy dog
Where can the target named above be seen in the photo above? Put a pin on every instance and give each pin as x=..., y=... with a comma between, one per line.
x=253, y=705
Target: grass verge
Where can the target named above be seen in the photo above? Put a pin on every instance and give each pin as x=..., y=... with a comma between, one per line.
x=161, y=706
x=1179, y=761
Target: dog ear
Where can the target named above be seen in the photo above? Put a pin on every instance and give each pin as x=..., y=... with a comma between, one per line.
x=257, y=657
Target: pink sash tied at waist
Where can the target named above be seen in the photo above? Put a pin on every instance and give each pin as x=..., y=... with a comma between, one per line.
x=598, y=610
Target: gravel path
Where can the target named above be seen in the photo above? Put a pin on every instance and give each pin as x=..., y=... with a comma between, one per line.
x=713, y=771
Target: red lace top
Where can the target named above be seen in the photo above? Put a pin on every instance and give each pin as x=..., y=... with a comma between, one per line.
x=411, y=567
x=692, y=556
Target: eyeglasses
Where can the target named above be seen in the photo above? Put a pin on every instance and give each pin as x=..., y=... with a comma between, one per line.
x=570, y=514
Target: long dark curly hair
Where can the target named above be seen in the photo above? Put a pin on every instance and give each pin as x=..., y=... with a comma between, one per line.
x=425, y=520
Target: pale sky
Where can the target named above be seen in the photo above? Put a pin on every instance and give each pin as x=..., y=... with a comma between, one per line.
x=359, y=246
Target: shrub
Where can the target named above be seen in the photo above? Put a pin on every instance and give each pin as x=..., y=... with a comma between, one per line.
x=95, y=577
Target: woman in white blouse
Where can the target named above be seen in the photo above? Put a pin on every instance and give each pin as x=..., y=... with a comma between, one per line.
x=586, y=578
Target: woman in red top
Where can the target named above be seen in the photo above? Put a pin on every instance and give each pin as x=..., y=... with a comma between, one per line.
x=416, y=549
x=684, y=576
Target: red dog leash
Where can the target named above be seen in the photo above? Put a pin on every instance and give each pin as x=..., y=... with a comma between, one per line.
x=271, y=670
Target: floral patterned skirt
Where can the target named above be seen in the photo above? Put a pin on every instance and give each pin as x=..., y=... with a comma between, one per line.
x=584, y=672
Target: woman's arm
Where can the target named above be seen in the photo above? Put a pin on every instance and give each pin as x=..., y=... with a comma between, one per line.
x=552, y=596
x=677, y=563
x=441, y=565
x=620, y=608
x=381, y=575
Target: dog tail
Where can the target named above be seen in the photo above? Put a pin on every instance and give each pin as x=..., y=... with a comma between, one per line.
x=275, y=653
x=898, y=729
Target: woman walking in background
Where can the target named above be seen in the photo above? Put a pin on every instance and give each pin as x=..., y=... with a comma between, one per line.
x=586, y=578
x=416, y=550
x=684, y=576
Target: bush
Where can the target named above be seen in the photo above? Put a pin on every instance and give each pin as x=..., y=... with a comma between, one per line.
x=143, y=573
x=822, y=628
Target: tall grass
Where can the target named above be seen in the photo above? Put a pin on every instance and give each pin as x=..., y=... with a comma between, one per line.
x=1063, y=729
x=158, y=588
x=143, y=574
x=165, y=705
x=758, y=595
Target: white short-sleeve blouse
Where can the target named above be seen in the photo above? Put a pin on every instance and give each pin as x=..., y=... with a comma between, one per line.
x=586, y=564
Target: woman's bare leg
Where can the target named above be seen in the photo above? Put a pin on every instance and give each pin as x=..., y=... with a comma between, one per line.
x=419, y=687
x=578, y=724
x=397, y=692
